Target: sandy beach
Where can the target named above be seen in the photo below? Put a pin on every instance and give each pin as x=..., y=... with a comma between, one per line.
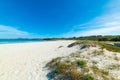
x=26, y=61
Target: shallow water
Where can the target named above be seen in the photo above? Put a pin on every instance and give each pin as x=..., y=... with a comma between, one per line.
x=7, y=41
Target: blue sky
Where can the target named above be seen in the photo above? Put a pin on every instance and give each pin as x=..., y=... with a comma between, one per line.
x=58, y=18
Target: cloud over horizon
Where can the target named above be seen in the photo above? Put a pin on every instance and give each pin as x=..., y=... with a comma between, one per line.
x=11, y=32
x=106, y=24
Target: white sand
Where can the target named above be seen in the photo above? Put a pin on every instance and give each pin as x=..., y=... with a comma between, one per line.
x=26, y=61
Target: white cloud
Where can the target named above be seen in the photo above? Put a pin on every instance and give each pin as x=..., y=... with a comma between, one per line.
x=102, y=31
x=106, y=24
x=8, y=32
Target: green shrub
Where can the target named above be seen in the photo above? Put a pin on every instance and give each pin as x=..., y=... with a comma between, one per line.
x=81, y=63
x=87, y=77
x=110, y=47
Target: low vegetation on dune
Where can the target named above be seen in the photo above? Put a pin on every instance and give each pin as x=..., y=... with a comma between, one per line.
x=73, y=70
x=103, y=45
x=83, y=44
x=111, y=47
x=90, y=62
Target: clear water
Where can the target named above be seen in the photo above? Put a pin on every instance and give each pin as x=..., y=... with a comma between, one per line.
x=7, y=41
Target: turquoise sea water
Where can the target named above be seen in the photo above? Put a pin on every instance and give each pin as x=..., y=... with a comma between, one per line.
x=7, y=41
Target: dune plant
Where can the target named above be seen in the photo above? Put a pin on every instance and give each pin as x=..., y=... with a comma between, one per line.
x=110, y=47
x=87, y=77
x=81, y=63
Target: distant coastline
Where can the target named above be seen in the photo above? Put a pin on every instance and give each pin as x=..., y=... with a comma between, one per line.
x=92, y=38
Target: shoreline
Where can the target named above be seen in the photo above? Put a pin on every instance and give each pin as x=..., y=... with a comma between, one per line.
x=20, y=42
